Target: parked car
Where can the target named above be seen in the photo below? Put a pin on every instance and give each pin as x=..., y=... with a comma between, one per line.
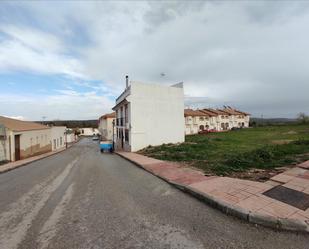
x=95, y=138
x=106, y=146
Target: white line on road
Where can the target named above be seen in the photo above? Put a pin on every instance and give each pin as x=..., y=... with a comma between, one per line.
x=48, y=231
x=27, y=208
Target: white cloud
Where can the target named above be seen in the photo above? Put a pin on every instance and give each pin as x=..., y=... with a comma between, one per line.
x=65, y=105
x=249, y=54
x=16, y=117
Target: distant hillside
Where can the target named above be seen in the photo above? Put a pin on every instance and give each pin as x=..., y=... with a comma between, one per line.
x=72, y=123
x=274, y=121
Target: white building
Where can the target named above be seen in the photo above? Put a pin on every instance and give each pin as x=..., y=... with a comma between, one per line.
x=22, y=139
x=149, y=114
x=89, y=131
x=106, y=126
x=58, y=137
x=214, y=119
x=70, y=136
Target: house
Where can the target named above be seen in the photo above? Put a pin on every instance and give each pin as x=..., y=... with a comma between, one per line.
x=106, y=125
x=149, y=114
x=237, y=118
x=22, y=139
x=70, y=136
x=58, y=137
x=196, y=120
x=214, y=119
x=89, y=131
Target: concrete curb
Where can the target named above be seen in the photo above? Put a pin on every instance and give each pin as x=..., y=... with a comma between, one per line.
x=34, y=160
x=252, y=217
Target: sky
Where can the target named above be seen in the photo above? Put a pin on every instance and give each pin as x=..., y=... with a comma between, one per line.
x=68, y=60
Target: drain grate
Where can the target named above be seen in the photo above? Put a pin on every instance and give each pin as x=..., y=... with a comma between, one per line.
x=289, y=196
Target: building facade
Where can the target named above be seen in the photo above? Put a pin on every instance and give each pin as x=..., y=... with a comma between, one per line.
x=58, y=137
x=106, y=126
x=214, y=119
x=89, y=131
x=22, y=139
x=148, y=114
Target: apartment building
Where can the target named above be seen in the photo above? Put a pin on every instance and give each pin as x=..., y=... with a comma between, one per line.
x=106, y=126
x=214, y=119
x=149, y=114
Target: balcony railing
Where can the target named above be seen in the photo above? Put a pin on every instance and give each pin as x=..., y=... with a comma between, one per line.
x=121, y=121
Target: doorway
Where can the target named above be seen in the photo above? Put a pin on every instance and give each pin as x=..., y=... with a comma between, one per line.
x=17, y=147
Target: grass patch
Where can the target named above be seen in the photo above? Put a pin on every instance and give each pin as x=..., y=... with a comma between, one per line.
x=238, y=151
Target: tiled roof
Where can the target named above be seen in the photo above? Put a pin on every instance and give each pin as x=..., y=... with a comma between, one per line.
x=108, y=115
x=194, y=113
x=217, y=111
x=18, y=125
x=209, y=113
x=234, y=111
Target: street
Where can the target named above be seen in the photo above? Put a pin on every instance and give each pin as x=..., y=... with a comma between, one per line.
x=81, y=198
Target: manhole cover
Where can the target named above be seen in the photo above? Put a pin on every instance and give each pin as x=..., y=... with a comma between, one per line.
x=289, y=196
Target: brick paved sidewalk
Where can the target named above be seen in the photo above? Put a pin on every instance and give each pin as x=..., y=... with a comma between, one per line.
x=13, y=165
x=282, y=202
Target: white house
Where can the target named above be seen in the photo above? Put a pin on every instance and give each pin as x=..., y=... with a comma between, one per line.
x=214, y=119
x=196, y=120
x=70, y=136
x=148, y=114
x=58, y=137
x=22, y=139
x=106, y=125
x=89, y=131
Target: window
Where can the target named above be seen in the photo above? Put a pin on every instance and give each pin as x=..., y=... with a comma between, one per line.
x=60, y=141
x=126, y=113
x=222, y=117
x=126, y=135
x=201, y=118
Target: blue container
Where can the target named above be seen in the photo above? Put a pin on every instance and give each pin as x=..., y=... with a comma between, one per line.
x=106, y=146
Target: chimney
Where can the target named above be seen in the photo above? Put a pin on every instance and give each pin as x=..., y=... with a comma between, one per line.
x=127, y=81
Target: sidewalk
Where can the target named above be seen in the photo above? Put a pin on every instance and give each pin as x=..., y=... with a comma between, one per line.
x=13, y=165
x=281, y=203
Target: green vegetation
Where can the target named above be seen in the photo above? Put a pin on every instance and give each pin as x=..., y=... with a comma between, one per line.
x=238, y=151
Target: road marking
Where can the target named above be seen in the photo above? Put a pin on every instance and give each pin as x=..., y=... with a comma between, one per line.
x=48, y=231
x=12, y=233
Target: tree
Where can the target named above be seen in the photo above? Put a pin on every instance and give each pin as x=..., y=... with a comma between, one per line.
x=303, y=118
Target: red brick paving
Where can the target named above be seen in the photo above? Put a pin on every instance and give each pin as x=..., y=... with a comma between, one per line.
x=239, y=193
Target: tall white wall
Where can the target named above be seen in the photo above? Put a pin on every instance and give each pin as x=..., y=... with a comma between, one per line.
x=156, y=115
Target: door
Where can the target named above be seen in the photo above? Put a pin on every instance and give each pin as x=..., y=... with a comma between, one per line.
x=17, y=147
x=121, y=137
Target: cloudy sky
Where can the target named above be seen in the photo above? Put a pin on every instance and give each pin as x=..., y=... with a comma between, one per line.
x=68, y=60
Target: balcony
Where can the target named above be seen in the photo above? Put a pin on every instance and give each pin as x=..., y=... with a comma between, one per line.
x=122, y=122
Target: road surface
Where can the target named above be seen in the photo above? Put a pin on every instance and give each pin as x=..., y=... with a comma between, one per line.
x=82, y=199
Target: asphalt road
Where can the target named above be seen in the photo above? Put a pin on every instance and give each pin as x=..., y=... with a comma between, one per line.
x=83, y=199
